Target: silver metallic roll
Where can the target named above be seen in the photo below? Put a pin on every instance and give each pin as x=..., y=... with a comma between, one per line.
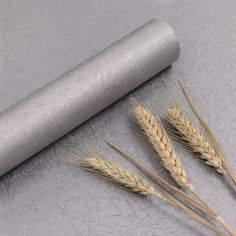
x=52, y=111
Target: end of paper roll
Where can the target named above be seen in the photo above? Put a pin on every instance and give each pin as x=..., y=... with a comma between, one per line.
x=172, y=33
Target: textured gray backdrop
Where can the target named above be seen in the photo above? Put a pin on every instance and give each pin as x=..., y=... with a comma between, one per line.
x=40, y=40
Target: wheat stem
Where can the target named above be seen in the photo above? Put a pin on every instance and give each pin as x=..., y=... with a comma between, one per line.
x=198, y=203
x=173, y=201
x=201, y=206
x=135, y=183
x=169, y=198
x=199, y=199
x=218, y=219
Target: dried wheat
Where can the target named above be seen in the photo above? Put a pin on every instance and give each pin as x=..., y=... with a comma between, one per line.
x=173, y=200
x=156, y=135
x=194, y=138
x=136, y=184
x=123, y=178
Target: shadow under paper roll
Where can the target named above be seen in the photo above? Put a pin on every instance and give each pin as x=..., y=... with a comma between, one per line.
x=52, y=111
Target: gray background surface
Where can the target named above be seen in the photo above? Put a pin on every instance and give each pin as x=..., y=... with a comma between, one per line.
x=40, y=40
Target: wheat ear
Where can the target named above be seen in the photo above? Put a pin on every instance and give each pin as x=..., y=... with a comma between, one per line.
x=197, y=142
x=116, y=174
x=159, y=140
x=229, y=174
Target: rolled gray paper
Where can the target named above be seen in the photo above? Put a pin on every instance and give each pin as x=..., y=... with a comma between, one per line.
x=52, y=111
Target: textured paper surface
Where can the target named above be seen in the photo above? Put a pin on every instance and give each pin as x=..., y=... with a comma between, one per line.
x=41, y=40
x=52, y=111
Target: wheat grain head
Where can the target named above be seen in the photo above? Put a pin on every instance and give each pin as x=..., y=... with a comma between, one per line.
x=129, y=180
x=160, y=142
x=195, y=140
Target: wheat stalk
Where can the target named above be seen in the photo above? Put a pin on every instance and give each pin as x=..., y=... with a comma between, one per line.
x=229, y=174
x=201, y=206
x=159, y=140
x=195, y=203
x=194, y=138
x=116, y=174
x=133, y=182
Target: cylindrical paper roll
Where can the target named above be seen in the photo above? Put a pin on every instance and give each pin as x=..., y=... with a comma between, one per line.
x=52, y=111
